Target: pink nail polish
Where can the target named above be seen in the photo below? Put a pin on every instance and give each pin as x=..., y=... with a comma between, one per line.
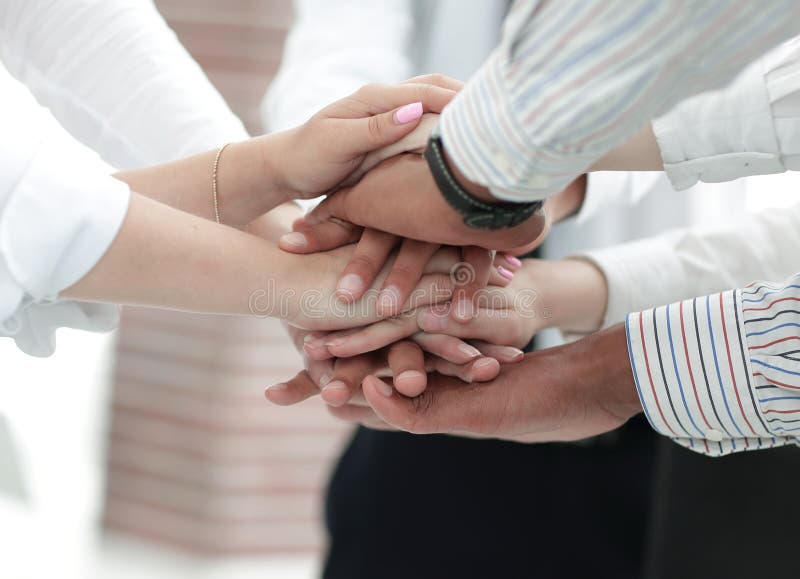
x=384, y=388
x=408, y=113
x=509, y=275
x=512, y=260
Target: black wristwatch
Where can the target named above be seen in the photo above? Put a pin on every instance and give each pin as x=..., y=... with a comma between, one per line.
x=477, y=213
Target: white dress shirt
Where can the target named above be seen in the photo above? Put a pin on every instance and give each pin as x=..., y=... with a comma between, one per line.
x=116, y=82
x=572, y=79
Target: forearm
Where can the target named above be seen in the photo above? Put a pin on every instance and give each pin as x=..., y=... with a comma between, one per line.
x=543, y=108
x=169, y=259
x=247, y=182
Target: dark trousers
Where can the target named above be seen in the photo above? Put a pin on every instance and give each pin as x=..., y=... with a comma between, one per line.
x=439, y=507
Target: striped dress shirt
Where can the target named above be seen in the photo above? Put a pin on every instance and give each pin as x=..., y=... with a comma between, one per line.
x=572, y=79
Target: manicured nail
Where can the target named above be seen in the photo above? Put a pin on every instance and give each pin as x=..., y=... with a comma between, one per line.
x=350, y=285
x=334, y=342
x=389, y=299
x=277, y=388
x=409, y=375
x=511, y=353
x=295, y=238
x=433, y=322
x=512, y=260
x=509, y=275
x=408, y=113
x=384, y=388
x=483, y=362
x=469, y=350
x=464, y=309
x=333, y=393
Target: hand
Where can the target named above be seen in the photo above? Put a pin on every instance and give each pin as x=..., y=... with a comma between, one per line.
x=399, y=196
x=569, y=294
x=338, y=381
x=318, y=156
x=571, y=392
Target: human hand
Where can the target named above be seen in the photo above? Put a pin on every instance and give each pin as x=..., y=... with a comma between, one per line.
x=318, y=156
x=407, y=362
x=567, y=393
x=568, y=294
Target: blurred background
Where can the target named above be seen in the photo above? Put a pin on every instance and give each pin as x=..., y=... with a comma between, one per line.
x=151, y=452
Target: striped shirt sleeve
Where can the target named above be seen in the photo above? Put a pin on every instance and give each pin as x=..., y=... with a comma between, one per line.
x=721, y=373
x=573, y=79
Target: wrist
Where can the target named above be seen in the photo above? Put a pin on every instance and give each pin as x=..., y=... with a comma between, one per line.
x=572, y=293
x=602, y=366
x=478, y=191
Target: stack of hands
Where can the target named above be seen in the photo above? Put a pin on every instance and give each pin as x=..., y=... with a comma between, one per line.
x=424, y=326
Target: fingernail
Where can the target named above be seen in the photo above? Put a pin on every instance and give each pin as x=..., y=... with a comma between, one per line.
x=483, y=362
x=384, y=388
x=509, y=275
x=295, y=238
x=277, y=388
x=350, y=285
x=512, y=260
x=333, y=342
x=333, y=392
x=408, y=113
x=432, y=322
x=389, y=298
x=469, y=350
x=511, y=353
x=409, y=375
x=324, y=379
x=464, y=310
x=314, y=344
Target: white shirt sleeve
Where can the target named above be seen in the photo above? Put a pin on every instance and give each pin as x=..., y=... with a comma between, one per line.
x=59, y=211
x=333, y=49
x=572, y=80
x=752, y=127
x=116, y=77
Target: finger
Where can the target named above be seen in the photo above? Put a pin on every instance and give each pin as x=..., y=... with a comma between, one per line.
x=503, y=354
x=447, y=347
x=503, y=327
x=382, y=129
x=481, y=370
x=292, y=391
x=382, y=98
x=437, y=79
x=448, y=406
x=500, y=276
x=405, y=273
x=413, y=142
x=470, y=276
x=508, y=261
x=347, y=376
x=320, y=236
x=407, y=364
x=363, y=415
x=366, y=262
x=348, y=343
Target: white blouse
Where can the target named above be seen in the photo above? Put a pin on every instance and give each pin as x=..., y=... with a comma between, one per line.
x=115, y=82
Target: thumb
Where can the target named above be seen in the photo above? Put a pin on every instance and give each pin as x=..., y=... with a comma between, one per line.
x=386, y=128
x=447, y=405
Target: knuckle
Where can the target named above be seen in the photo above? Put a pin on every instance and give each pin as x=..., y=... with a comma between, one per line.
x=362, y=262
x=375, y=127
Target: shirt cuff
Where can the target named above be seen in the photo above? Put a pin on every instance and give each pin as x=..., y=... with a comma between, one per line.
x=638, y=274
x=486, y=141
x=693, y=378
x=722, y=135
x=59, y=220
